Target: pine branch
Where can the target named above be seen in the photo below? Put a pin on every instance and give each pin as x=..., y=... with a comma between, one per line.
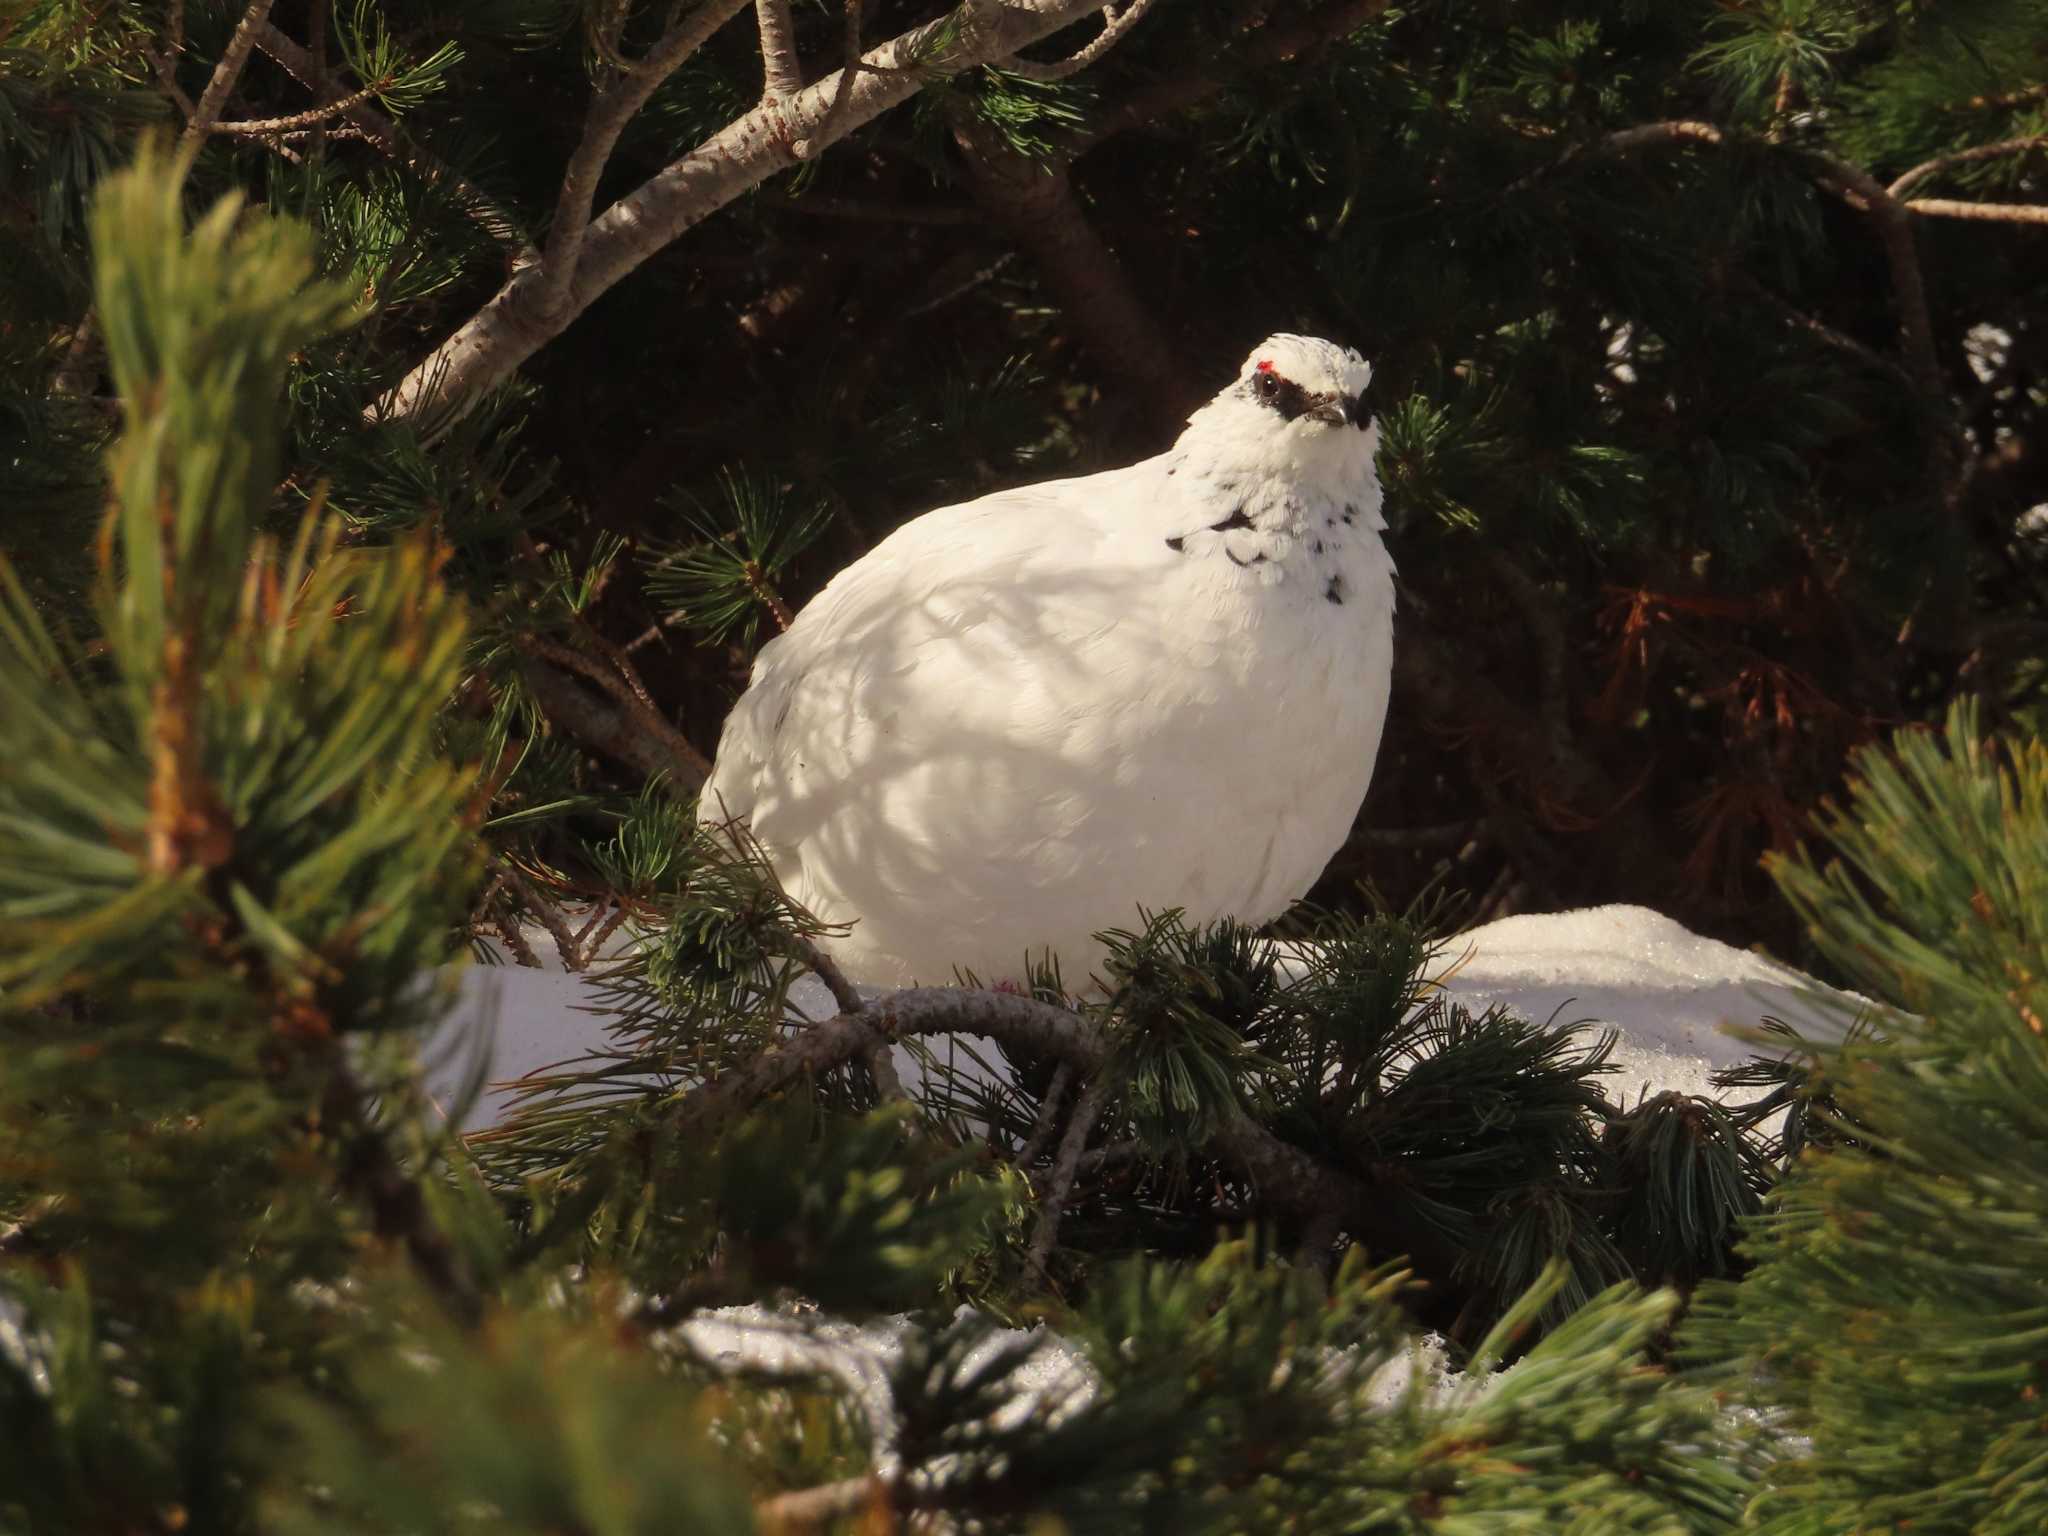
x=1288, y=1179
x=1116, y=24
x=2000, y=213
x=486, y=349
x=1036, y=204
x=398, y=1210
x=1970, y=156
x=226, y=74
x=1060, y=1183
x=604, y=728
x=252, y=127
x=611, y=109
x=483, y=210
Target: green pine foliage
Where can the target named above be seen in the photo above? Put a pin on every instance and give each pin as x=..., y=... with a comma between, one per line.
x=1893, y=1317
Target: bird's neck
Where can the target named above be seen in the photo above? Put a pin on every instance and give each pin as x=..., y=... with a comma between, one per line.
x=1233, y=450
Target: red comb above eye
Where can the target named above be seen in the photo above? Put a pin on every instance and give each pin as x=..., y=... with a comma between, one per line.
x=1265, y=365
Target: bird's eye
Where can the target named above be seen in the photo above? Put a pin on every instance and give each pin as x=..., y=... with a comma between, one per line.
x=1267, y=384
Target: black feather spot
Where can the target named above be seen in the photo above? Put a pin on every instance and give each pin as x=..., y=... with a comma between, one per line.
x=1177, y=545
x=1318, y=546
x=1334, y=592
x=1236, y=519
x=1255, y=559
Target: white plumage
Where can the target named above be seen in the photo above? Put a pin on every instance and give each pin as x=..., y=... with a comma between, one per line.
x=1017, y=720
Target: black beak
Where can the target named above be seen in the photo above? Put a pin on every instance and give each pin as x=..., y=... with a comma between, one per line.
x=1339, y=409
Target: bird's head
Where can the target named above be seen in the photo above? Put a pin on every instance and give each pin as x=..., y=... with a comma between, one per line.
x=1298, y=405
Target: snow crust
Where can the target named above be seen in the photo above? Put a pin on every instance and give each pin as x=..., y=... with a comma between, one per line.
x=1671, y=995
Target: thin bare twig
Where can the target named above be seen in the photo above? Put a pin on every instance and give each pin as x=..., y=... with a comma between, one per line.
x=1116, y=25
x=226, y=73
x=2000, y=213
x=254, y=126
x=1048, y=1116
x=1059, y=1183
x=880, y=1063
x=482, y=209
x=610, y=110
x=1941, y=163
x=547, y=914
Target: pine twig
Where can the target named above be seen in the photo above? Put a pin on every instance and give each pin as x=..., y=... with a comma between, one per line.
x=1941, y=163
x=227, y=73
x=880, y=1063
x=255, y=126
x=547, y=914
x=625, y=686
x=2001, y=213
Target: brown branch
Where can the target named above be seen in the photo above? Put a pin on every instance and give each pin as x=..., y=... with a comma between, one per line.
x=781, y=75
x=1037, y=206
x=805, y=1509
x=1941, y=163
x=482, y=209
x=226, y=73
x=1060, y=1183
x=603, y=728
x=251, y=127
x=940, y=214
x=611, y=109
x=1287, y=1178
x=489, y=347
x=1116, y=24
x=1858, y=187
x=546, y=913
x=2002, y=213
x=881, y=1064
x=628, y=690
x=1048, y=1116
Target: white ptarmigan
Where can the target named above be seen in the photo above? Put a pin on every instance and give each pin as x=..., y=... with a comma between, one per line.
x=1016, y=721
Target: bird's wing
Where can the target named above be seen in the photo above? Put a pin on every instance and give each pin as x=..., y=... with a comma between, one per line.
x=955, y=596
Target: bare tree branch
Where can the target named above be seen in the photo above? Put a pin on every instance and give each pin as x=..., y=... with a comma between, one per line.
x=226, y=73
x=624, y=685
x=1941, y=163
x=1116, y=24
x=251, y=127
x=1039, y=209
x=605, y=728
x=611, y=109
x=2001, y=213
x=781, y=76
x=1060, y=1183
x=513, y=325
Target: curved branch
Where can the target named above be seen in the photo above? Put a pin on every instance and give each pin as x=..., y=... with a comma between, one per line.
x=514, y=325
x=1116, y=24
x=1998, y=213
x=1288, y=1178
x=1940, y=163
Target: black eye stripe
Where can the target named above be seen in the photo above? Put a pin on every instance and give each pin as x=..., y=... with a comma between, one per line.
x=1283, y=395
